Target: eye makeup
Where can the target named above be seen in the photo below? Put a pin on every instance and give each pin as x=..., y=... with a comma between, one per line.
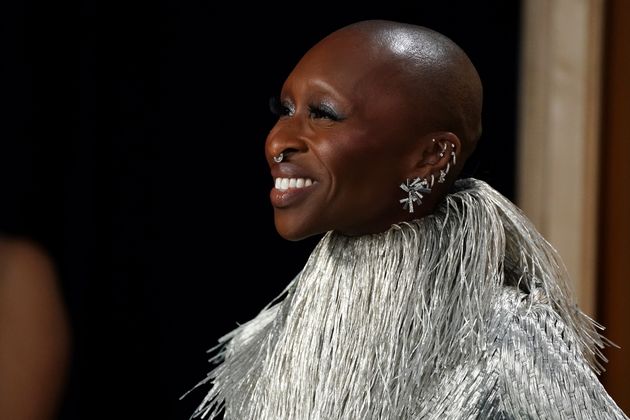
x=322, y=110
x=316, y=110
x=280, y=108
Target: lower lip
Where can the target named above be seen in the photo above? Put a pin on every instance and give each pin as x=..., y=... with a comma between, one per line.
x=285, y=198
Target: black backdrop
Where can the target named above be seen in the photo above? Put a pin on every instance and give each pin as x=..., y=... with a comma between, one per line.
x=137, y=161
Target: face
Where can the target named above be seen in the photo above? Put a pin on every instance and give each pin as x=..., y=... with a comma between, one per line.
x=345, y=131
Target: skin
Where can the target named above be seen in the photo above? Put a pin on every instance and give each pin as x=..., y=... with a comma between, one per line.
x=366, y=108
x=34, y=334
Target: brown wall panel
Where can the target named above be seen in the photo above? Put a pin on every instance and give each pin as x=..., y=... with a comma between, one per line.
x=614, y=285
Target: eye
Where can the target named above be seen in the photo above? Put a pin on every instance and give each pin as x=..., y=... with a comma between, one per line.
x=280, y=108
x=324, y=111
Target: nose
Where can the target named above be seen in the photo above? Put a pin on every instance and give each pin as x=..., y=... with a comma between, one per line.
x=285, y=137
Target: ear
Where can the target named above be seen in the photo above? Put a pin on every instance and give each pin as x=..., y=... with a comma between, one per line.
x=436, y=156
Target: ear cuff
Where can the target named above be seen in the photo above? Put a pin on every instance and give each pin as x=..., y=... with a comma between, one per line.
x=416, y=188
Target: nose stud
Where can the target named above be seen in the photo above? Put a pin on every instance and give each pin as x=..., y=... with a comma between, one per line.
x=278, y=158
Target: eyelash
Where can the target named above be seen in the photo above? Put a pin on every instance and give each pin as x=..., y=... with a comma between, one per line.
x=278, y=108
x=321, y=111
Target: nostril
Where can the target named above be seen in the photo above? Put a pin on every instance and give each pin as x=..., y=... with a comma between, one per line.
x=284, y=155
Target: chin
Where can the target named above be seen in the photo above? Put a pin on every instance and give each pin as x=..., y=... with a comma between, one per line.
x=293, y=230
x=291, y=235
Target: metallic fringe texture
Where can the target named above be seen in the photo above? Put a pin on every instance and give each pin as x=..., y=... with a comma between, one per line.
x=465, y=313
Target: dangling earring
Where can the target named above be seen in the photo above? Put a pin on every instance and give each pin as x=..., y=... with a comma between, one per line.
x=419, y=186
x=414, y=190
x=444, y=172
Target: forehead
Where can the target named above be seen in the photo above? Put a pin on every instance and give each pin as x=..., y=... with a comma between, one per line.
x=351, y=65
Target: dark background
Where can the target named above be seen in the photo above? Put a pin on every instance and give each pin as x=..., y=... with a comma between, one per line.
x=131, y=148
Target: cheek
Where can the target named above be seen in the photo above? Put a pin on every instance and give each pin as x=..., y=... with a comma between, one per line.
x=346, y=161
x=348, y=150
x=363, y=170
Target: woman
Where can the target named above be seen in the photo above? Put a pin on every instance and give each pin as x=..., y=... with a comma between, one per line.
x=427, y=297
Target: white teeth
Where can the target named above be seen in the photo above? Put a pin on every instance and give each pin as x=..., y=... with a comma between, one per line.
x=286, y=183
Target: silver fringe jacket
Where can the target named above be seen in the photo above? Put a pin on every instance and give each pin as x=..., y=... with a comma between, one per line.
x=463, y=314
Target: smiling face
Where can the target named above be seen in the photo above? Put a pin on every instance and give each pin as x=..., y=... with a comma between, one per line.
x=345, y=130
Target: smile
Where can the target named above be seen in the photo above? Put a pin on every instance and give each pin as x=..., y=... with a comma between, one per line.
x=284, y=184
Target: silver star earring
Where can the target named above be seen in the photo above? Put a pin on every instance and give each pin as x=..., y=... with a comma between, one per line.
x=414, y=190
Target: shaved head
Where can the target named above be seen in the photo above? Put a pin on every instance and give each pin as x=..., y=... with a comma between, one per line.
x=372, y=105
x=439, y=78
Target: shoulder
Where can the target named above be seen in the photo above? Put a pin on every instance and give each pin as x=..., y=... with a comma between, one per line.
x=543, y=370
x=532, y=317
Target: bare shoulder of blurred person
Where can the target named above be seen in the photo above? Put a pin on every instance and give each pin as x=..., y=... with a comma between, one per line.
x=34, y=333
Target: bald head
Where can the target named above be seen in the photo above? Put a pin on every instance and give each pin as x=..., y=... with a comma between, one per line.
x=368, y=107
x=437, y=76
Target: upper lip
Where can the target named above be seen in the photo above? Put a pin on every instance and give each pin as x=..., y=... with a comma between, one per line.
x=289, y=170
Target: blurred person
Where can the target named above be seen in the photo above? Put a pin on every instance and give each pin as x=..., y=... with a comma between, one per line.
x=34, y=333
